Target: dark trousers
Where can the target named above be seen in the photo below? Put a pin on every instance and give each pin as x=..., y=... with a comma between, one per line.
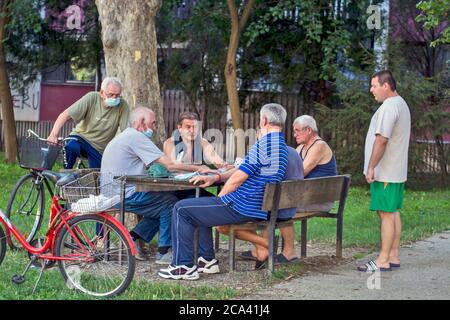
x=156, y=210
x=80, y=147
x=204, y=213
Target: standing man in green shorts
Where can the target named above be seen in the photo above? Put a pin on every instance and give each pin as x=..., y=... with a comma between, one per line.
x=386, y=167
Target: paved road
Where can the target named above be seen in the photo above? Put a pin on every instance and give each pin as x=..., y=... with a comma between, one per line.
x=424, y=274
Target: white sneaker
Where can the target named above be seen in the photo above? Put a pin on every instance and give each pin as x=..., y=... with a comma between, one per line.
x=206, y=266
x=164, y=258
x=179, y=273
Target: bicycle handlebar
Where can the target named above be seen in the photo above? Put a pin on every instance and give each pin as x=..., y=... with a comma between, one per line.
x=32, y=133
x=60, y=139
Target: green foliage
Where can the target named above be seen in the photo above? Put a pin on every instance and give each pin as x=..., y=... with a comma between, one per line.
x=347, y=126
x=22, y=40
x=311, y=41
x=33, y=45
x=197, y=67
x=434, y=13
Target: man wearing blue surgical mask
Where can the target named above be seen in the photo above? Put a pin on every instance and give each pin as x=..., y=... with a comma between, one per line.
x=98, y=116
x=131, y=153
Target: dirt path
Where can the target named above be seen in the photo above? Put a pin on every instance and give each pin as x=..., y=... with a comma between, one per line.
x=246, y=280
x=424, y=274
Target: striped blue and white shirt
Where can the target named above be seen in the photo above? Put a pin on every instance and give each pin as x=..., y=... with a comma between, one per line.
x=266, y=162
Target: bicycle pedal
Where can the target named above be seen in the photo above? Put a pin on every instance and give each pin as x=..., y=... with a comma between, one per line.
x=18, y=279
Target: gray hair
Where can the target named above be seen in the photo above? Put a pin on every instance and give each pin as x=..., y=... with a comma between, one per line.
x=306, y=121
x=274, y=113
x=111, y=80
x=139, y=113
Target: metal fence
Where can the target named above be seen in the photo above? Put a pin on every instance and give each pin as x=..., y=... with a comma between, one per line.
x=42, y=128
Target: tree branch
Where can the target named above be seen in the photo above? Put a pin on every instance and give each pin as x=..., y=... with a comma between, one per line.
x=246, y=14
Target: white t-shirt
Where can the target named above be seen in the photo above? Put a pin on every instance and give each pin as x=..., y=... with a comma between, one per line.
x=129, y=153
x=392, y=120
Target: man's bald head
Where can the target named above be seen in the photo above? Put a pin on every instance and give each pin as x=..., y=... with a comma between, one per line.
x=142, y=118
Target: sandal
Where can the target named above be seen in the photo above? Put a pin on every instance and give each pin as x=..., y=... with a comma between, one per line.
x=281, y=259
x=372, y=267
x=247, y=255
x=259, y=265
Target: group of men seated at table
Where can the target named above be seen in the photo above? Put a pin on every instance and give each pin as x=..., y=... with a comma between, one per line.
x=174, y=216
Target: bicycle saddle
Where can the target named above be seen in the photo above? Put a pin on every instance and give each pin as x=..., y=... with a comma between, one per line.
x=60, y=178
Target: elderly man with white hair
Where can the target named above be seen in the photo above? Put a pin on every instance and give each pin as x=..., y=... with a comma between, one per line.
x=318, y=158
x=98, y=116
x=131, y=153
x=239, y=201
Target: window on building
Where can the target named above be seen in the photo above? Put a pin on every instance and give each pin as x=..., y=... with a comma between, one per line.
x=68, y=73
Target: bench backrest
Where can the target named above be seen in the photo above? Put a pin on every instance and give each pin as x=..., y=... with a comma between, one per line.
x=296, y=193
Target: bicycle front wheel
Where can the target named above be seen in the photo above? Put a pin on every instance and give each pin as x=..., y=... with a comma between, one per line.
x=2, y=244
x=26, y=208
x=97, y=256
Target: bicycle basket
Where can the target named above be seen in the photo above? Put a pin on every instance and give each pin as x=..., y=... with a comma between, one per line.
x=93, y=192
x=37, y=154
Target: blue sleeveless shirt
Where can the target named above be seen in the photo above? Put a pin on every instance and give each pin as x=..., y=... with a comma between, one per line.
x=321, y=170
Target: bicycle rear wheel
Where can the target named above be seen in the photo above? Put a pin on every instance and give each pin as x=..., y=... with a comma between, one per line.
x=2, y=244
x=99, y=266
x=26, y=208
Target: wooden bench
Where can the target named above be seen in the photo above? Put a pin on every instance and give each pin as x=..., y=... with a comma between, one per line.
x=294, y=194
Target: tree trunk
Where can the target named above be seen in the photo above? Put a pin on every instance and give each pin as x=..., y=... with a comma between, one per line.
x=237, y=25
x=130, y=46
x=98, y=65
x=9, y=125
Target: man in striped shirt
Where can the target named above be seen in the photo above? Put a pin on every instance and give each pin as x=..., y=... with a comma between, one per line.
x=239, y=201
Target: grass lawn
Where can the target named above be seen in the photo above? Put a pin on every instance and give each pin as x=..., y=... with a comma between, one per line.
x=425, y=213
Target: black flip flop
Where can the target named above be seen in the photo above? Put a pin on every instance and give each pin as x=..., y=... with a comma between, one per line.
x=259, y=265
x=247, y=255
x=281, y=259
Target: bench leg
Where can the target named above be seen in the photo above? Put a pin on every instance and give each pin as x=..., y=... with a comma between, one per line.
x=196, y=239
x=216, y=239
x=271, y=250
x=339, y=237
x=231, y=249
x=303, y=238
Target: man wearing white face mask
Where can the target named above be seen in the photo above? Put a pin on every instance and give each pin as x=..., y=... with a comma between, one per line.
x=130, y=153
x=98, y=116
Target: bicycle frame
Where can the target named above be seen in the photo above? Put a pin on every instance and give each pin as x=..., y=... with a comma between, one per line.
x=59, y=217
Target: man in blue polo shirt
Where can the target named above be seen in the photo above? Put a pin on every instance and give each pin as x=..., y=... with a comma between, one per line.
x=239, y=201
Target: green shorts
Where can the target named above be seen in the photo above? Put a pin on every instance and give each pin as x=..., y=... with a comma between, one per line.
x=386, y=196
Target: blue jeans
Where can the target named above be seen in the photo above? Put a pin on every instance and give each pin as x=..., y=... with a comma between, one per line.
x=156, y=210
x=204, y=213
x=81, y=147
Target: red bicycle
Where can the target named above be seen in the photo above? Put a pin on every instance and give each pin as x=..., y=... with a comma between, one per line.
x=94, y=251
